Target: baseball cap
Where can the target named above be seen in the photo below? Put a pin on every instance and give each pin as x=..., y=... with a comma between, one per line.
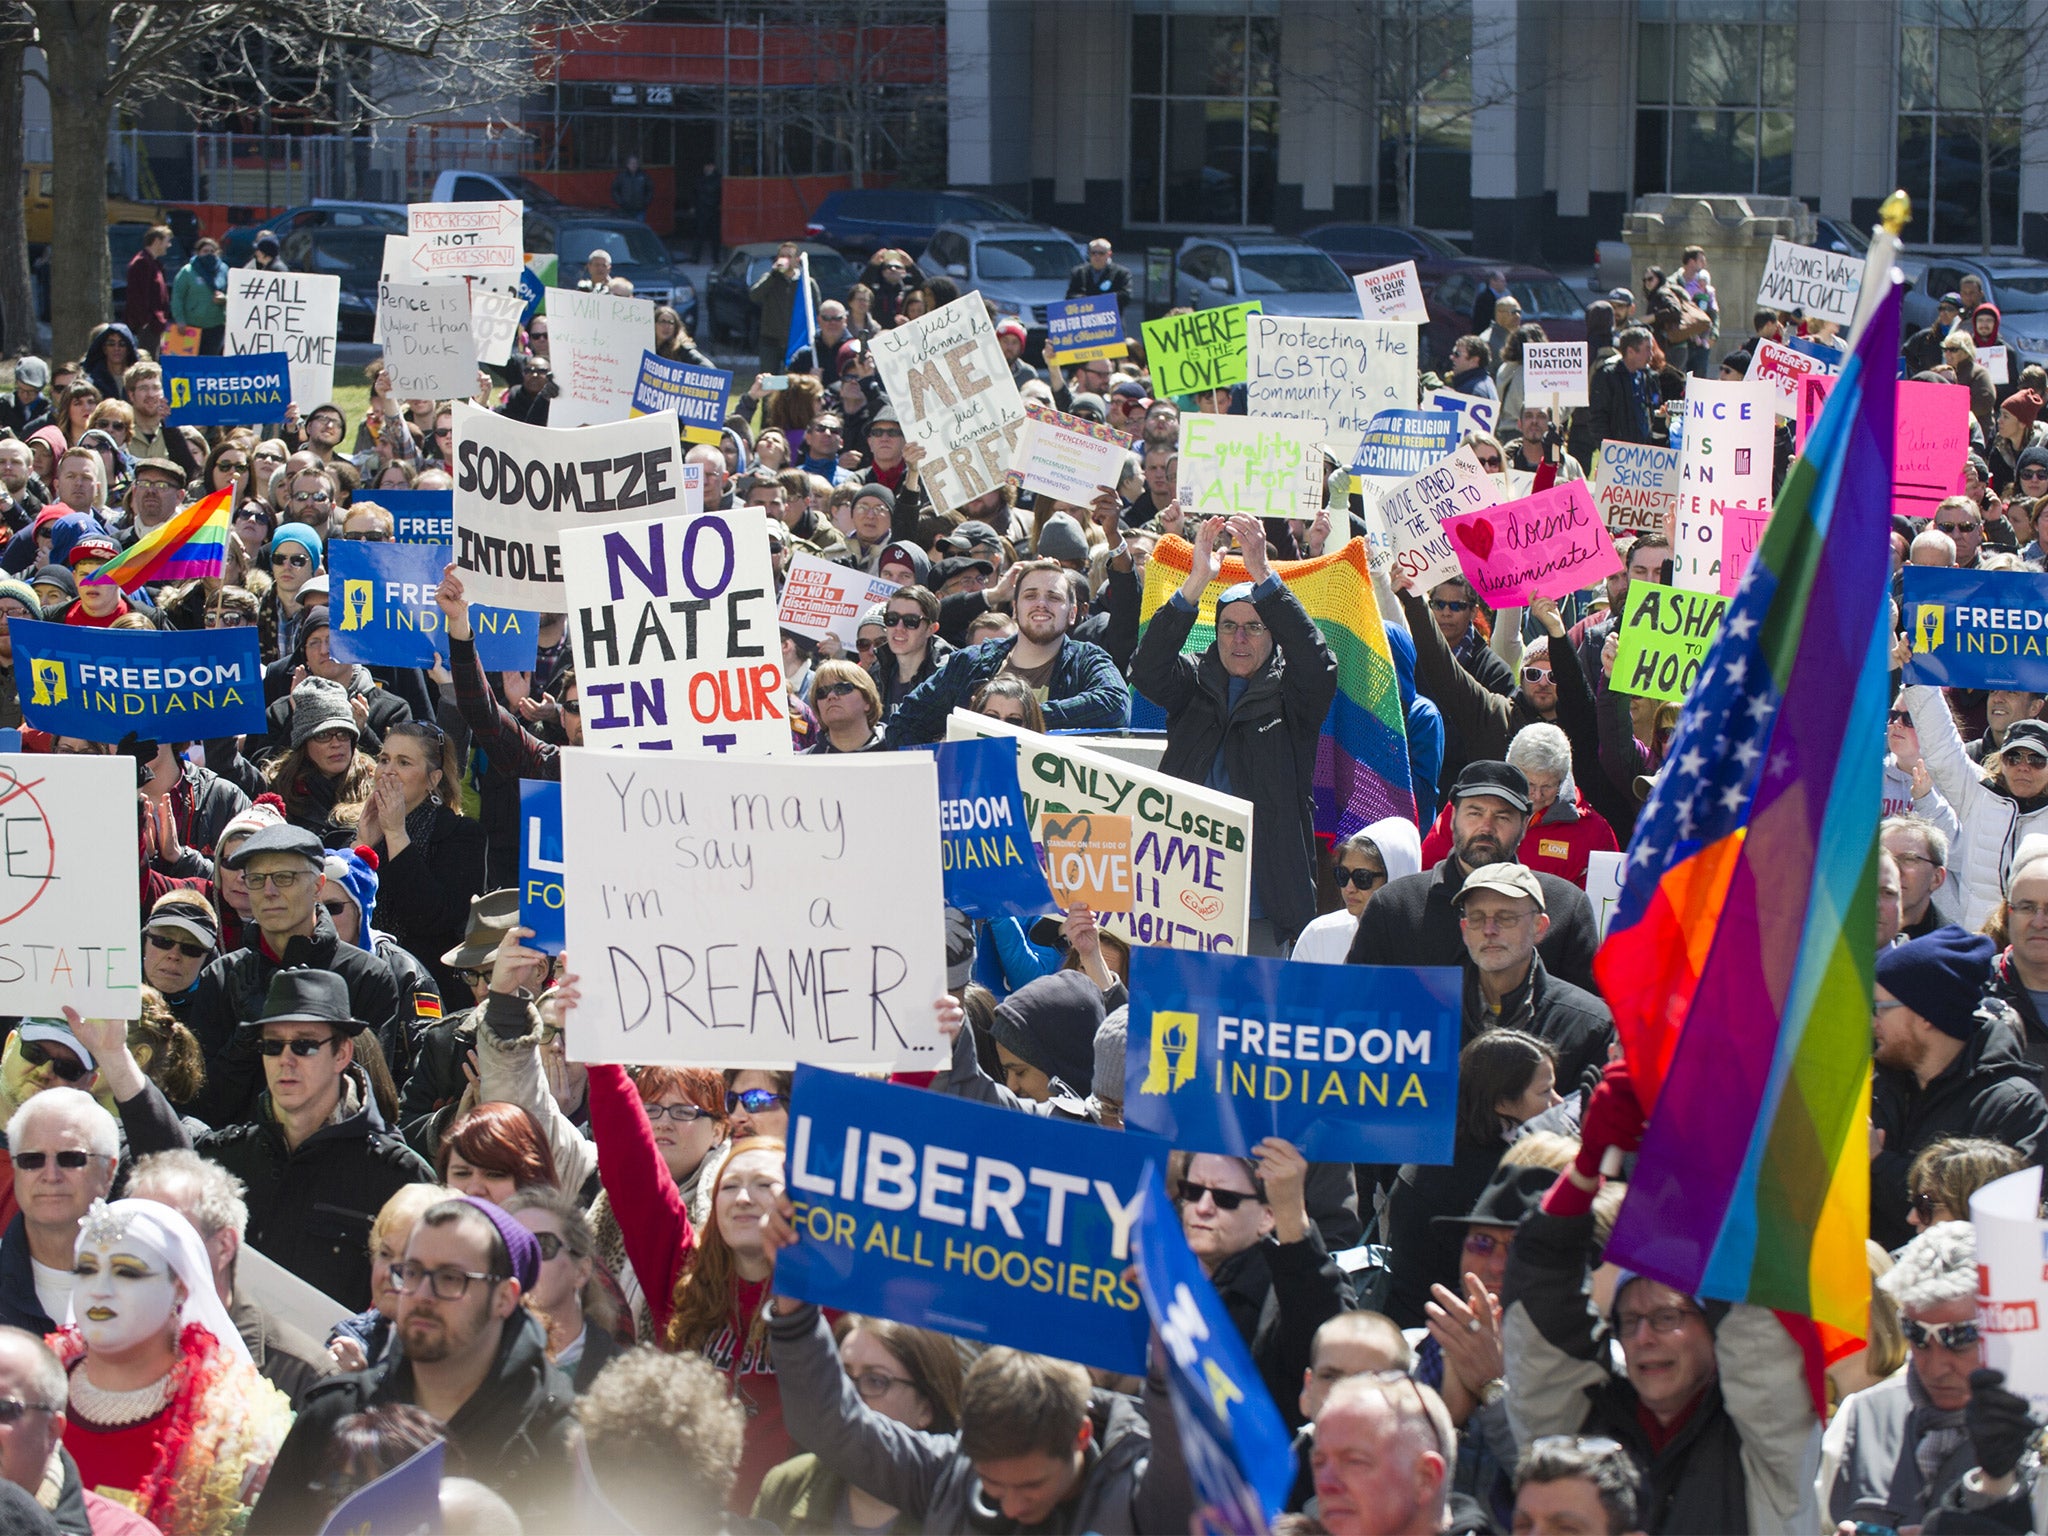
x=1504, y=781
x=960, y=565
x=1620, y=296
x=56, y=1032
x=1508, y=879
x=1129, y=389
x=179, y=912
x=1950, y=301
x=2032, y=734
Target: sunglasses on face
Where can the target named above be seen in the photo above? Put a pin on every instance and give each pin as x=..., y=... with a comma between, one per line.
x=754, y=1100
x=1439, y=606
x=2031, y=472
x=553, y=1247
x=885, y=432
x=1364, y=879
x=2014, y=757
x=189, y=951
x=1900, y=717
x=35, y=1162
x=1226, y=1199
x=1535, y=674
x=1954, y=528
x=1953, y=1337
x=300, y=1048
x=903, y=621
x=71, y=1071
x=1484, y=1244
x=292, y=560
x=1490, y=463
x=836, y=690
x=313, y=496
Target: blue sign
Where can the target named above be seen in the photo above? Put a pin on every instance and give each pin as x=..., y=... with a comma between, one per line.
x=381, y=601
x=227, y=391
x=1820, y=351
x=1081, y=330
x=977, y=1221
x=1232, y=1438
x=697, y=395
x=536, y=293
x=991, y=865
x=418, y=517
x=102, y=684
x=1977, y=629
x=540, y=864
x=405, y=1501
x=1398, y=444
x=1350, y=1064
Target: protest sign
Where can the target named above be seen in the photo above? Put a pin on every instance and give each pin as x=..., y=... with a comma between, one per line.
x=429, y=351
x=418, y=517
x=1665, y=635
x=66, y=935
x=721, y=913
x=494, y=322
x=381, y=603
x=1246, y=464
x=2012, y=1282
x=1996, y=363
x=822, y=597
x=1083, y=330
x=1068, y=458
x=1398, y=444
x=1546, y=545
x=1603, y=884
x=1088, y=860
x=1232, y=1440
x=1415, y=511
x=180, y=341
x=1930, y=445
x=596, y=341
x=401, y=1502
x=1193, y=353
x=517, y=486
x=227, y=391
x=698, y=396
x=1782, y=368
x=1226, y=1050
x=1822, y=283
x=1391, y=293
x=1554, y=373
x=1724, y=469
x=1977, y=629
x=451, y=240
x=1476, y=413
x=1191, y=847
x=541, y=895
x=1635, y=485
x=295, y=313
x=173, y=684
x=1340, y=374
x=977, y=1221
x=674, y=622
x=946, y=372
x=990, y=866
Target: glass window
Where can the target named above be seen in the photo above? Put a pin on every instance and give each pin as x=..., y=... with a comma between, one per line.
x=1290, y=272
x=1204, y=111
x=1705, y=74
x=1024, y=260
x=1959, y=116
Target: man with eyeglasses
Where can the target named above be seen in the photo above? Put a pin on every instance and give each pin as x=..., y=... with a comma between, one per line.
x=1100, y=273
x=530, y=400
x=153, y=499
x=1452, y=605
x=34, y=1397
x=824, y=439
x=1962, y=520
x=1921, y=850
x=1245, y=716
x=832, y=335
x=1949, y=1060
x=1502, y=918
x=63, y=1147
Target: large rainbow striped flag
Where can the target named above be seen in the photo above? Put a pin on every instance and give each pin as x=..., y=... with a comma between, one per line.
x=1738, y=963
x=190, y=545
x=1362, y=758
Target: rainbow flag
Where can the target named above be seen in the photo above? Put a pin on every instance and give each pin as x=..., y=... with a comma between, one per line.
x=191, y=545
x=1738, y=963
x=1362, y=760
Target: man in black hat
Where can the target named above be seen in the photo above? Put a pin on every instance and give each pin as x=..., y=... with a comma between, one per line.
x=1244, y=717
x=1414, y=920
x=285, y=869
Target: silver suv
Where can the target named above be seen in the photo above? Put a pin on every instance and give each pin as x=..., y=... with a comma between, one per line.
x=1019, y=268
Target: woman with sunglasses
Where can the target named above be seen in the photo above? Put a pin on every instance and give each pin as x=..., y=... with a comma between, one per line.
x=1365, y=862
x=849, y=710
x=295, y=554
x=571, y=1300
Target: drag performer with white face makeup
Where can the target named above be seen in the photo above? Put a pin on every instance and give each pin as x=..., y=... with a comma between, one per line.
x=167, y=1414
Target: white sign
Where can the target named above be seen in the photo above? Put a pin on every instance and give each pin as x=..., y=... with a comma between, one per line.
x=595, y=341
x=1338, y=374
x=428, y=350
x=518, y=486
x=822, y=597
x=290, y=312
x=465, y=239
x=1781, y=368
x=1635, y=485
x=1067, y=458
x=1724, y=477
x=1476, y=412
x=946, y=373
x=1554, y=373
x=722, y=912
x=2012, y=1282
x=1997, y=363
x=1415, y=510
x=1391, y=293
x=674, y=621
x=1822, y=283
x=1252, y=465
x=1603, y=885
x=396, y=267
x=69, y=921
x=494, y=322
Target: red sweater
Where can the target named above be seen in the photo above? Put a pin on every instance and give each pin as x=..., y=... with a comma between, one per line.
x=660, y=1243
x=1555, y=847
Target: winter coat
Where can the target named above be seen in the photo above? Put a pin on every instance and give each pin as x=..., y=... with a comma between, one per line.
x=1267, y=743
x=1574, y=1022
x=20, y=1306
x=1570, y=831
x=2006, y=987
x=1878, y=1476
x=1279, y=1294
x=1085, y=689
x=888, y=682
x=423, y=893
x=1413, y=921
x=1990, y=824
x=1425, y=1251
x=1610, y=411
x=434, y=1091
x=774, y=294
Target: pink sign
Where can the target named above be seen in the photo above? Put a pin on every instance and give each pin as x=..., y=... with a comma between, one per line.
x=1743, y=529
x=1547, y=545
x=1932, y=447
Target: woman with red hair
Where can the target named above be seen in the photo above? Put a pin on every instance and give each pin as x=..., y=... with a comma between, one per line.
x=494, y=1150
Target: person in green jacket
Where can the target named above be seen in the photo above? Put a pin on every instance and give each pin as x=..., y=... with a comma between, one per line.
x=775, y=295
x=200, y=296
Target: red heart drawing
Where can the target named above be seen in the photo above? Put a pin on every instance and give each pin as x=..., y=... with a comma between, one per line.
x=1204, y=906
x=1476, y=536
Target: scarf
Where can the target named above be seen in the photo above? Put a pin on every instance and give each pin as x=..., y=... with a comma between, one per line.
x=419, y=821
x=1933, y=1432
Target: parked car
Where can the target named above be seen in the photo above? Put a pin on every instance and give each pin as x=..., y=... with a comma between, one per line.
x=2018, y=285
x=238, y=245
x=493, y=187
x=636, y=251
x=351, y=253
x=1020, y=268
x=1286, y=276
x=863, y=220
x=1841, y=237
x=1368, y=247
x=731, y=315
x=1546, y=300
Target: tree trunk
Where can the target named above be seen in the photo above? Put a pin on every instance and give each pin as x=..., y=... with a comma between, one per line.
x=1984, y=183
x=76, y=41
x=17, y=292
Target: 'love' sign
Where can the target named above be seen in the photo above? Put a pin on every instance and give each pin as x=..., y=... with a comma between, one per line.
x=1546, y=545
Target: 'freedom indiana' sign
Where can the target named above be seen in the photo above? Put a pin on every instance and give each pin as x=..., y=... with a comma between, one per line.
x=103, y=684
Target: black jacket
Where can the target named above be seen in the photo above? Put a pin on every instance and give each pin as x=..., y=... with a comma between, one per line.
x=20, y=1307
x=423, y=893
x=513, y=1435
x=1424, y=1251
x=1268, y=742
x=2007, y=988
x=1576, y=1023
x=1084, y=282
x=1990, y=1090
x=433, y=1089
x=1279, y=1294
x=1112, y=622
x=1609, y=412
x=1412, y=922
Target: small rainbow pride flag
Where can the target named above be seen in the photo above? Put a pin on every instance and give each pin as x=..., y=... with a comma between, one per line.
x=1739, y=960
x=191, y=545
x=1362, y=759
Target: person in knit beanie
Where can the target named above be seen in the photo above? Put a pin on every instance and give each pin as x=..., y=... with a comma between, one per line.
x=353, y=873
x=1106, y=1092
x=320, y=705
